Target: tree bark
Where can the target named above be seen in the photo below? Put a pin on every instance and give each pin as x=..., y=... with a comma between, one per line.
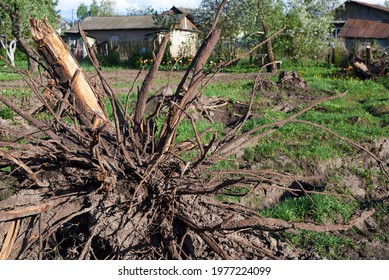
x=66, y=70
x=269, y=47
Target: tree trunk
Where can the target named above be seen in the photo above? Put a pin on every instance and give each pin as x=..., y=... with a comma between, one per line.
x=66, y=70
x=32, y=56
x=269, y=47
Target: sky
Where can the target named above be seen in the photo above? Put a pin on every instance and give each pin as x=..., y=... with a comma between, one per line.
x=66, y=6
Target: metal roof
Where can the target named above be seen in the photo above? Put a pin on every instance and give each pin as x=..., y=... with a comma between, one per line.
x=360, y=28
x=117, y=22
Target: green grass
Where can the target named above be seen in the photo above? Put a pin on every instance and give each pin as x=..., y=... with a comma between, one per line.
x=9, y=76
x=321, y=209
x=16, y=96
x=318, y=208
x=16, y=93
x=327, y=245
x=234, y=91
x=362, y=116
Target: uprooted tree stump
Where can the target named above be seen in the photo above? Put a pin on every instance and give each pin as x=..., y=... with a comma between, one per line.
x=120, y=189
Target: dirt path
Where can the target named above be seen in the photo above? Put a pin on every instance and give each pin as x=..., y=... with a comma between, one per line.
x=121, y=80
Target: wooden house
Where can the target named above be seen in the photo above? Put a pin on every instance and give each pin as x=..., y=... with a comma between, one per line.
x=131, y=35
x=359, y=24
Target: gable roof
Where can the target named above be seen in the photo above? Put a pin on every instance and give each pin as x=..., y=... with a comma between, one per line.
x=378, y=7
x=182, y=10
x=145, y=22
x=360, y=28
x=117, y=23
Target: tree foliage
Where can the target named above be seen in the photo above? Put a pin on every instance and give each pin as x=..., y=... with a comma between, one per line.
x=308, y=27
x=82, y=11
x=23, y=10
x=307, y=24
x=104, y=8
x=143, y=10
x=94, y=9
x=15, y=15
x=241, y=30
x=107, y=8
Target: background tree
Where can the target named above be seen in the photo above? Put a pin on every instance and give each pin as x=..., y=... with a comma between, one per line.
x=265, y=18
x=261, y=18
x=308, y=27
x=82, y=11
x=8, y=45
x=15, y=15
x=143, y=10
x=386, y=3
x=226, y=47
x=94, y=8
x=105, y=8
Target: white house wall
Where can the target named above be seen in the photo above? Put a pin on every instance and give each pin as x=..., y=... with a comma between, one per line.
x=183, y=43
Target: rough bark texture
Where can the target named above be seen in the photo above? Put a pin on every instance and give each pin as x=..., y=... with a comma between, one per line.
x=65, y=69
x=269, y=48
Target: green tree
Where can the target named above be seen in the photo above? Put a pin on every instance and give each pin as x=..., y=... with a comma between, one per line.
x=107, y=8
x=244, y=23
x=386, y=3
x=308, y=27
x=247, y=22
x=226, y=46
x=265, y=18
x=144, y=10
x=15, y=16
x=82, y=11
x=94, y=8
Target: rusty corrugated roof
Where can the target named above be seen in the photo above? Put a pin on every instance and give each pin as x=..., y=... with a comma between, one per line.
x=360, y=28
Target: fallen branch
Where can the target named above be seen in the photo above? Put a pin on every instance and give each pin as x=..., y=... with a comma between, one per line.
x=10, y=239
x=7, y=215
x=278, y=224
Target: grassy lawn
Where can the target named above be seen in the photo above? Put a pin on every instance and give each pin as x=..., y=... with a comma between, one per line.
x=354, y=116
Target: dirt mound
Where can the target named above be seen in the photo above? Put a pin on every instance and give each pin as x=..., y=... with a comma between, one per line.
x=291, y=81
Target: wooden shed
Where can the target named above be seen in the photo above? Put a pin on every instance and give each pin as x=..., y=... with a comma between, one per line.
x=359, y=24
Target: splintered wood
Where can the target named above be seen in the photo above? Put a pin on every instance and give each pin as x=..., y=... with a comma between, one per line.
x=66, y=69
